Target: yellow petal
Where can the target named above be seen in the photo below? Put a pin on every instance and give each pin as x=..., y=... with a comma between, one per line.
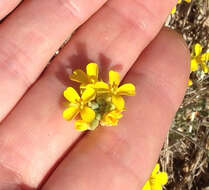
x=156, y=186
x=101, y=87
x=70, y=113
x=162, y=178
x=204, y=67
x=71, y=95
x=205, y=56
x=79, y=76
x=92, y=70
x=197, y=49
x=86, y=85
x=179, y=1
x=194, y=65
x=111, y=118
x=88, y=94
x=116, y=114
x=188, y=1
x=156, y=169
x=127, y=89
x=81, y=125
x=87, y=114
x=147, y=186
x=173, y=10
x=114, y=78
x=119, y=102
x=190, y=83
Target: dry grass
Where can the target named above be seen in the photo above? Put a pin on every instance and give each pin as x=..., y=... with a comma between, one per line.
x=185, y=155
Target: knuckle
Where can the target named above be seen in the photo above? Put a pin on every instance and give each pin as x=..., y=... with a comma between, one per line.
x=71, y=7
x=13, y=63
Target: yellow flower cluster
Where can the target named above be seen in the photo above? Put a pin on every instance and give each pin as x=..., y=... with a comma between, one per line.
x=198, y=59
x=179, y=1
x=156, y=180
x=100, y=103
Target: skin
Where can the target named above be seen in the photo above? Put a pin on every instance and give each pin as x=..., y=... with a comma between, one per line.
x=41, y=150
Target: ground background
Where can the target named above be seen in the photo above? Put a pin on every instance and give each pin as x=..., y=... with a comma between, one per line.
x=185, y=155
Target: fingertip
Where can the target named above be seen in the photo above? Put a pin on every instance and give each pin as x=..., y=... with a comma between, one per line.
x=166, y=63
x=161, y=76
x=180, y=44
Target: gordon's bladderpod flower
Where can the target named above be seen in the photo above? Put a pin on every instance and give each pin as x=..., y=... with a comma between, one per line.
x=156, y=180
x=199, y=59
x=99, y=103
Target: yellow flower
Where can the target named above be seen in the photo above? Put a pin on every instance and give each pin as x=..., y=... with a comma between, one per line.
x=88, y=78
x=82, y=125
x=173, y=10
x=156, y=180
x=114, y=90
x=190, y=83
x=111, y=118
x=197, y=58
x=99, y=102
x=79, y=104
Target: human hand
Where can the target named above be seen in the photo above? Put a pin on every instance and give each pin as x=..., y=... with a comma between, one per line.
x=34, y=138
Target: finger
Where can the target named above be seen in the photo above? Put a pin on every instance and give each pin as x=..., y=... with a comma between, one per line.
x=7, y=6
x=40, y=28
x=38, y=116
x=122, y=157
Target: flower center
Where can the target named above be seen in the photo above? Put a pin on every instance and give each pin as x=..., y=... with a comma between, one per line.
x=92, y=80
x=82, y=104
x=199, y=59
x=113, y=89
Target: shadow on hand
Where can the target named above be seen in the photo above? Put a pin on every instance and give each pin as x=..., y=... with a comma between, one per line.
x=80, y=60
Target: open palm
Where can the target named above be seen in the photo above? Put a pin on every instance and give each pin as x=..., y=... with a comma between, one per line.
x=38, y=148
